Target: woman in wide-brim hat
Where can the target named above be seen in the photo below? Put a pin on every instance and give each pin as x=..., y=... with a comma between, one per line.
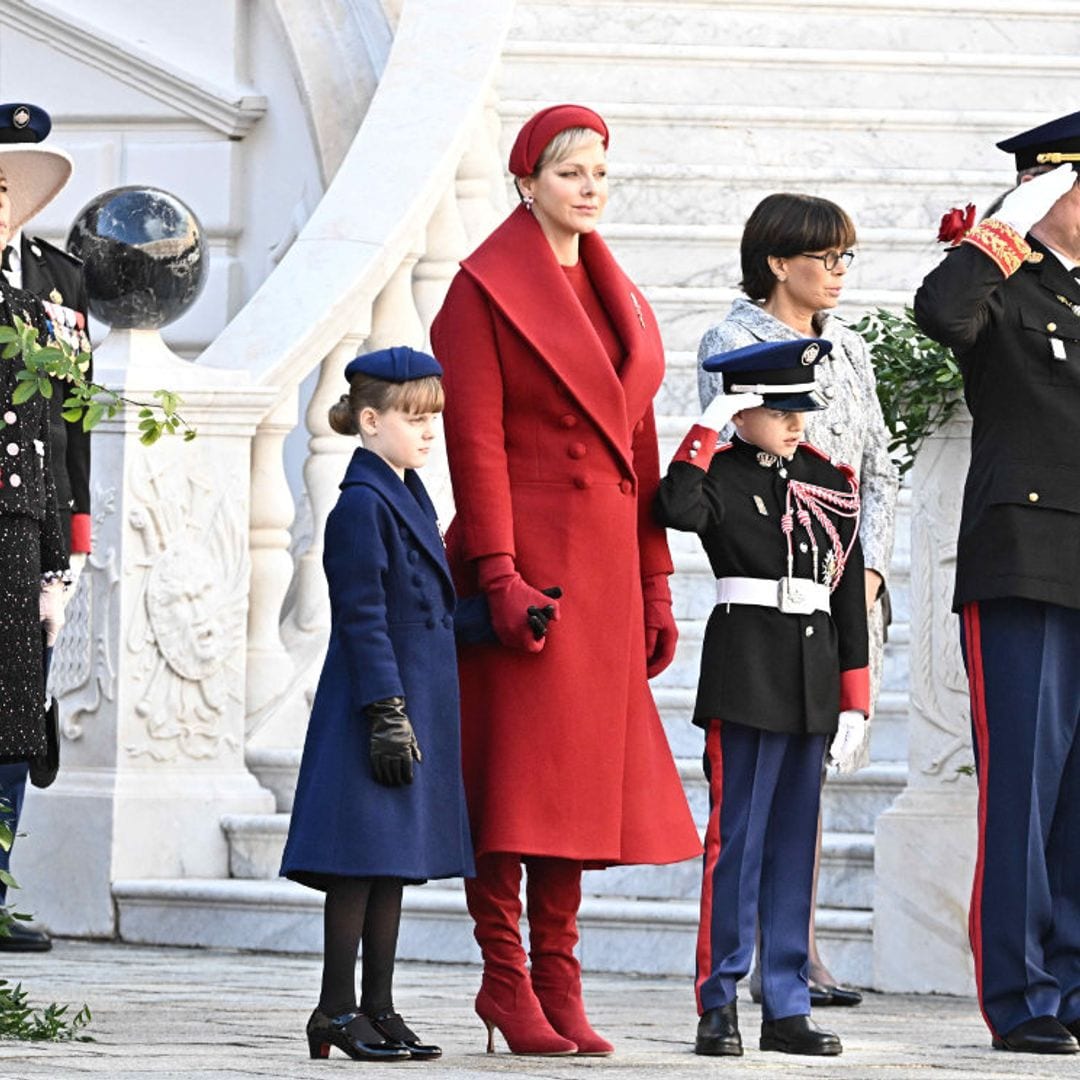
x=33, y=554
x=552, y=358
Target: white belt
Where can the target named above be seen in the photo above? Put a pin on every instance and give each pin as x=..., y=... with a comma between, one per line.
x=793, y=596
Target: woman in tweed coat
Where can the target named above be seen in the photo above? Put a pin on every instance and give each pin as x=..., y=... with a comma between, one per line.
x=795, y=251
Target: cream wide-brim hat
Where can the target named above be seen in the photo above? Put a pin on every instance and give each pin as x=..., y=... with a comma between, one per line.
x=35, y=175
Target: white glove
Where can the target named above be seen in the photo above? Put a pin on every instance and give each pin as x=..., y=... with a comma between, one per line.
x=1030, y=201
x=847, y=742
x=51, y=610
x=77, y=563
x=724, y=406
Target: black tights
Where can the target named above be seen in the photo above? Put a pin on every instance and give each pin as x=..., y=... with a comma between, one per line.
x=367, y=909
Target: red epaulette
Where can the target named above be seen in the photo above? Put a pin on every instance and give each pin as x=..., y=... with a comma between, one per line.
x=847, y=470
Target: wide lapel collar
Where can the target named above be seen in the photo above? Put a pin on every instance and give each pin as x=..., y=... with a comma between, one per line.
x=408, y=501
x=642, y=368
x=518, y=271
x=760, y=323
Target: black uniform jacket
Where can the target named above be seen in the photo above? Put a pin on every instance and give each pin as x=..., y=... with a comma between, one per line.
x=26, y=485
x=56, y=278
x=761, y=667
x=1018, y=346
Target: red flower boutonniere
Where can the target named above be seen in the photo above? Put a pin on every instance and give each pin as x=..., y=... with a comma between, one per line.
x=956, y=223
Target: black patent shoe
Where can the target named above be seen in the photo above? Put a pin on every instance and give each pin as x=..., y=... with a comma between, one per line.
x=22, y=937
x=798, y=1035
x=353, y=1034
x=718, y=1032
x=1039, y=1035
x=822, y=996
x=390, y=1024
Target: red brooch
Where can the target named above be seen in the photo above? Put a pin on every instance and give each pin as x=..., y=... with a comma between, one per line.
x=956, y=223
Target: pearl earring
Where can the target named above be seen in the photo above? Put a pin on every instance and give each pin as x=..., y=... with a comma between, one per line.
x=528, y=201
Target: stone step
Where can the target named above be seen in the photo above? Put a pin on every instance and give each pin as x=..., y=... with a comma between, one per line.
x=739, y=75
x=982, y=25
x=639, y=936
x=707, y=256
x=702, y=195
x=853, y=803
x=704, y=131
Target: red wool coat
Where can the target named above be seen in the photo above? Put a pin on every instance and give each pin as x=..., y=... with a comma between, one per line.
x=554, y=461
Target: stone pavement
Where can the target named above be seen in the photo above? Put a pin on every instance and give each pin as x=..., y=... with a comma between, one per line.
x=163, y=1013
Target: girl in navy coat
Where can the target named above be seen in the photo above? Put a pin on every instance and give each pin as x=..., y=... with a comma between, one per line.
x=379, y=800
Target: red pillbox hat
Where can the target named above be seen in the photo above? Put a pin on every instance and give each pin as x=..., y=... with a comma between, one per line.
x=541, y=128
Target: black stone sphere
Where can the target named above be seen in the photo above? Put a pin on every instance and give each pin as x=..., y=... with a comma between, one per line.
x=144, y=256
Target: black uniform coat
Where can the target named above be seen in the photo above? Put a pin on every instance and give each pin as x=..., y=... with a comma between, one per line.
x=759, y=666
x=391, y=634
x=1020, y=526
x=49, y=272
x=31, y=544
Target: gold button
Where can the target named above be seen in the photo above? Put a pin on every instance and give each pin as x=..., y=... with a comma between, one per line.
x=1033, y=496
x=1051, y=326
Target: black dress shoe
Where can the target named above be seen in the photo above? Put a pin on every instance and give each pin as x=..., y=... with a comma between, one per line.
x=391, y=1025
x=353, y=1034
x=24, y=938
x=1073, y=1027
x=718, y=1032
x=822, y=995
x=798, y=1035
x=1039, y=1035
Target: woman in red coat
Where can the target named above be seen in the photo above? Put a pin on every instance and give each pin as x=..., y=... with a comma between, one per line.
x=552, y=358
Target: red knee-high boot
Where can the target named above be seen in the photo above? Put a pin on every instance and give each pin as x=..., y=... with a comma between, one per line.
x=506, y=1000
x=553, y=895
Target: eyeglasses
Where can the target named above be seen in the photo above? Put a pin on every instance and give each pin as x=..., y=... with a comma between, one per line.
x=831, y=258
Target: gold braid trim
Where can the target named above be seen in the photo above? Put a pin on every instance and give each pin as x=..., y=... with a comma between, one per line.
x=1001, y=242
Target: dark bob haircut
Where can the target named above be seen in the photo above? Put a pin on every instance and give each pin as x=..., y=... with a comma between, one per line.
x=784, y=225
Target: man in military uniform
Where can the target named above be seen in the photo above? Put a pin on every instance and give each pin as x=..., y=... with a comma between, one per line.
x=1006, y=300
x=32, y=175
x=783, y=676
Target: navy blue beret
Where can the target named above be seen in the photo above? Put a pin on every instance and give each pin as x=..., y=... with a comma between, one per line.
x=782, y=372
x=399, y=364
x=20, y=123
x=1060, y=136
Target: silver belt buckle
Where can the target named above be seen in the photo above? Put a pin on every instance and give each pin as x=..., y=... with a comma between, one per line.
x=792, y=598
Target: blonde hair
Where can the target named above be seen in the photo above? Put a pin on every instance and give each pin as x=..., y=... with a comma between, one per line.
x=564, y=144
x=366, y=391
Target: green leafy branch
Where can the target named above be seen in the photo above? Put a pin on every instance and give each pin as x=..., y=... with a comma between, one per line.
x=918, y=381
x=87, y=402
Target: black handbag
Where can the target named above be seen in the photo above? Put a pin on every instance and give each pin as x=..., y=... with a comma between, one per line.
x=44, y=767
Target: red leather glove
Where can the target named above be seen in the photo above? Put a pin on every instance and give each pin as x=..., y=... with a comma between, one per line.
x=509, y=599
x=661, y=633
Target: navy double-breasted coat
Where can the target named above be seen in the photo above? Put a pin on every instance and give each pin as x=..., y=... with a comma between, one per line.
x=391, y=633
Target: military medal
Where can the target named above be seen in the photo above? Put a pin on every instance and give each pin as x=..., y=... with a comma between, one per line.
x=56, y=296
x=1057, y=348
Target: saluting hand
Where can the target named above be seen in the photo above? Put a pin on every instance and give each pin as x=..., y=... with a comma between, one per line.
x=724, y=406
x=1030, y=201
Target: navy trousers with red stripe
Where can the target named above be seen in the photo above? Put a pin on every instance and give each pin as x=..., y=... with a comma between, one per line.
x=1023, y=664
x=764, y=794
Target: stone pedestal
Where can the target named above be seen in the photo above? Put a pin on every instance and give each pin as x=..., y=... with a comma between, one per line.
x=924, y=849
x=150, y=670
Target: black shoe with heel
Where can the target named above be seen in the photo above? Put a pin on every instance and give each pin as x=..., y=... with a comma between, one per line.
x=1039, y=1035
x=798, y=1035
x=718, y=1032
x=353, y=1034
x=390, y=1024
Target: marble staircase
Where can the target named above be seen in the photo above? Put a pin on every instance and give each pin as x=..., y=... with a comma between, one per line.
x=889, y=109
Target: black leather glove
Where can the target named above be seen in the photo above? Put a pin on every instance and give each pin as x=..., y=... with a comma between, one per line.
x=393, y=743
x=539, y=617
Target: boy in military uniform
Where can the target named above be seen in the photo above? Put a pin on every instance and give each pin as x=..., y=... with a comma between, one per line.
x=783, y=674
